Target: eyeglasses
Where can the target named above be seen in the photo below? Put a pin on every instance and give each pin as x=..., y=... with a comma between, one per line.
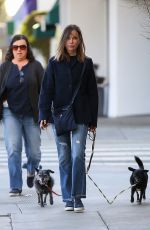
x=22, y=47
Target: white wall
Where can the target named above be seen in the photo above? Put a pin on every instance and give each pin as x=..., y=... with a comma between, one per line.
x=129, y=73
x=91, y=17
x=45, y=4
x=123, y=58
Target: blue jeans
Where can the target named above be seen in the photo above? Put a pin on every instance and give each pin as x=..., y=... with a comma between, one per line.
x=71, y=154
x=16, y=128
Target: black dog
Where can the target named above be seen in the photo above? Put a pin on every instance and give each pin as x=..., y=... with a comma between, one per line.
x=139, y=178
x=44, y=183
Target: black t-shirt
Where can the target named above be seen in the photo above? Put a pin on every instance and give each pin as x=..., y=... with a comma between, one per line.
x=76, y=69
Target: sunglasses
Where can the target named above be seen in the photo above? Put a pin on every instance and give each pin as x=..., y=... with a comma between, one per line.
x=21, y=75
x=22, y=47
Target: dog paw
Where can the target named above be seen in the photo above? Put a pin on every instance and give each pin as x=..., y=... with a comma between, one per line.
x=132, y=200
x=51, y=202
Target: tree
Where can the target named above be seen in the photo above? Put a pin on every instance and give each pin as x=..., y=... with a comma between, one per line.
x=3, y=15
x=42, y=44
x=143, y=4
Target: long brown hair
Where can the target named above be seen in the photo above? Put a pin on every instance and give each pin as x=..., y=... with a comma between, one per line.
x=62, y=53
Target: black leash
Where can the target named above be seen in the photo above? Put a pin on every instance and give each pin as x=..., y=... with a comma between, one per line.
x=92, y=138
x=108, y=201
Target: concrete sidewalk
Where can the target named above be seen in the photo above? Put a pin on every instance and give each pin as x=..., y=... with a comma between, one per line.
x=24, y=213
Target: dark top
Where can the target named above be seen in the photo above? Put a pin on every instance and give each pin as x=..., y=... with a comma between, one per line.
x=59, y=82
x=30, y=90
x=75, y=69
x=17, y=90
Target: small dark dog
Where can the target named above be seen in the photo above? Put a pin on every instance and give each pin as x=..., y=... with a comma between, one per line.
x=139, y=178
x=44, y=183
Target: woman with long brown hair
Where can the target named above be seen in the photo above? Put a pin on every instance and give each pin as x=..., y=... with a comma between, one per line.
x=60, y=81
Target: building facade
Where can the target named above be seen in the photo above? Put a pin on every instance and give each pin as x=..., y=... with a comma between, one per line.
x=114, y=35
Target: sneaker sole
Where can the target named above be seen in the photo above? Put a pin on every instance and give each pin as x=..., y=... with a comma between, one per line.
x=16, y=194
x=69, y=209
x=79, y=209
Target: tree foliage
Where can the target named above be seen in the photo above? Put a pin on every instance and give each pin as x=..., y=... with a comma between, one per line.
x=42, y=44
x=143, y=4
x=3, y=15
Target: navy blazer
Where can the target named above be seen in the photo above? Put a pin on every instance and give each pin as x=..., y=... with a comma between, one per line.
x=57, y=87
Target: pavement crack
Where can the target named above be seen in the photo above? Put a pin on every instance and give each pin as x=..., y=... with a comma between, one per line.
x=103, y=220
x=10, y=218
x=19, y=208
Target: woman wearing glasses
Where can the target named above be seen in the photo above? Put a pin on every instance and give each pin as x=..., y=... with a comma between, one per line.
x=20, y=82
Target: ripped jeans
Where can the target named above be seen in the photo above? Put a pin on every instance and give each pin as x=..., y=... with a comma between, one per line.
x=71, y=154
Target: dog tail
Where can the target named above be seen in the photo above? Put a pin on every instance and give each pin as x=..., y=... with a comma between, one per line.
x=139, y=162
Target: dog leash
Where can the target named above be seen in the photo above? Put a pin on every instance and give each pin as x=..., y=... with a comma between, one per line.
x=50, y=190
x=93, y=144
x=56, y=193
x=89, y=165
x=110, y=202
x=87, y=172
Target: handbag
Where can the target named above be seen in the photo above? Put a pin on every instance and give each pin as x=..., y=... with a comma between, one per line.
x=64, y=120
x=63, y=116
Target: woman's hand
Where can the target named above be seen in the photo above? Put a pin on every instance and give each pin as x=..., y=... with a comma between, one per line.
x=92, y=129
x=43, y=124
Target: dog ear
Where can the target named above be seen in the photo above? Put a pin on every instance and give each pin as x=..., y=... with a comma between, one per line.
x=50, y=171
x=131, y=169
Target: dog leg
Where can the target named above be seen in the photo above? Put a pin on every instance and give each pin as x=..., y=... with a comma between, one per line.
x=137, y=196
x=45, y=199
x=132, y=194
x=140, y=200
x=41, y=199
x=144, y=196
x=141, y=195
x=51, y=198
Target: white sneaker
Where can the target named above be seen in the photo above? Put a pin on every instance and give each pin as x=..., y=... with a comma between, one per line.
x=15, y=192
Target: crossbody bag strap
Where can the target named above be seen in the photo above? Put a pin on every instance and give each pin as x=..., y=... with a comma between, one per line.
x=79, y=84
